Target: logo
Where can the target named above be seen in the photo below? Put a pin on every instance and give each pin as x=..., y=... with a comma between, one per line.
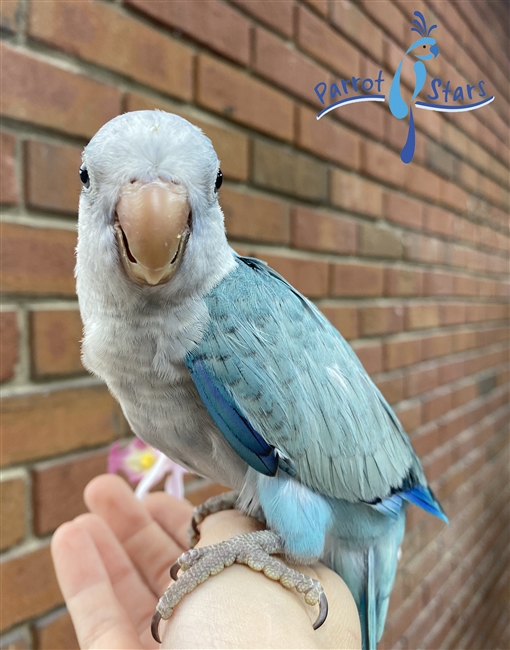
x=422, y=49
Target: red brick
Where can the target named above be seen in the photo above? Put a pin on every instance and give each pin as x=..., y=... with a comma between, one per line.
x=402, y=210
x=286, y=67
x=39, y=92
x=230, y=145
x=255, y=217
x=348, y=18
x=9, y=344
x=12, y=511
x=437, y=283
x=321, y=6
x=403, y=282
x=388, y=16
x=402, y=351
x=57, y=489
x=355, y=194
x=438, y=221
x=380, y=242
x=226, y=90
x=52, y=180
x=9, y=188
x=421, y=316
x=409, y=415
x=421, y=380
x=9, y=15
x=382, y=319
x=352, y=279
x=213, y=23
x=452, y=313
x=327, y=139
x=38, y=260
x=368, y=117
x=278, y=15
x=425, y=440
x=345, y=319
x=103, y=35
x=370, y=355
x=423, y=182
x=308, y=276
x=436, y=405
x=381, y=163
x=55, y=338
x=437, y=345
x=30, y=581
x=453, y=196
x=55, y=632
x=53, y=422
x=323, y=43
x=314, y=230
x=424, y=249
x=465, y=285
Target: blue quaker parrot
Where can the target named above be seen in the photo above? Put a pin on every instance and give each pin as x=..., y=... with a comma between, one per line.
x=223, y=366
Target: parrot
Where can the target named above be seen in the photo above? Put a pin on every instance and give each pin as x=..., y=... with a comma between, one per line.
x=223, y=366
x=426, y=49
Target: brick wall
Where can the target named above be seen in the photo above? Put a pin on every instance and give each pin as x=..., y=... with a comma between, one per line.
x=409, y=262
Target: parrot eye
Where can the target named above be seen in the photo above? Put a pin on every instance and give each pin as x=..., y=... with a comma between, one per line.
x=424, y=46
x=219, y=180
x=84, y=176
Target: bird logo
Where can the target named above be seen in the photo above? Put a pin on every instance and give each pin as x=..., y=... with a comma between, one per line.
x=424, y=49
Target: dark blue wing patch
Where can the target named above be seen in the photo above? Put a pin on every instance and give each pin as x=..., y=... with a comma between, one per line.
x=239, y=433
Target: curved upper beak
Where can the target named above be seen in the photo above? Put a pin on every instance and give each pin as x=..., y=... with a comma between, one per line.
x=152, y=226
x=435, y=50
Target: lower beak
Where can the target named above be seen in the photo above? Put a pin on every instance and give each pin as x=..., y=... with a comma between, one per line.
x=152, y=226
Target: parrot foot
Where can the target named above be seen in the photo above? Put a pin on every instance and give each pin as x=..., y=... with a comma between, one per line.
x=254, y=550
x=224, y=501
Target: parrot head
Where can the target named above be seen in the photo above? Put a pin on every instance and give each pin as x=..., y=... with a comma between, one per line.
x=149, y=218
x=424, y=48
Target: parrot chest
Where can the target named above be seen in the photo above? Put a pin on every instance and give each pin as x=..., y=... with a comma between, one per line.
x=143, y=366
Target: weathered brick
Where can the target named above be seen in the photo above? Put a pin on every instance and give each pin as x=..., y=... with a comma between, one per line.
x=424, y=249
x=30, y=581
x=410, y=415
x=286, y=67
x=425, y=440
x=105, y=36
x=230, y=145
x=36, y=91
x=310, y=277
x=382, y=319
x=403, y=210
x=380, y=242
x=386, y=14
x=52, y=180
x=316, y=230
x=421, y=380
x=213, y=23
x=452, y=313
x=9, y=189
x=57, y=489
x=381, y=163
x=38, y=260
x=55, y=632
x=353, y=279
x=402, y=351
x=345, y=319
x=275, y=168
x=437, y=283
x=327, y=139
x=234, y=94
x=56, y=421
x=278, y=15
x=437, y=345
x=355, y=194
x=438, y=221
x=437, y=404
x=348, y=18
x=321, y=6
x=421, y=316
x=9, y=15
x=403, y=282
x=323, y=43
x=370, y=354
x=12, y=511
x=255, y=217
x=9, y=344
x=55, y=338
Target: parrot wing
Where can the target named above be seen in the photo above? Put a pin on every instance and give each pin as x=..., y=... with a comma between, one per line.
x=287, y=391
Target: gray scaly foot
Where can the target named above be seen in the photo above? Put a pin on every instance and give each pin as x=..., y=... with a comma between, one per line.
x=253, y=549
x=224, y=501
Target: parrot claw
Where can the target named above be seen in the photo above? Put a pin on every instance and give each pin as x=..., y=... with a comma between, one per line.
x=323, y=611
x=156, y=618
x=174, y=570
x=224, y=501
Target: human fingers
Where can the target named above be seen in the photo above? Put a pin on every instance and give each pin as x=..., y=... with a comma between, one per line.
x=98, y=618
x=129, y=586
x=150, y=549
x=173, y=515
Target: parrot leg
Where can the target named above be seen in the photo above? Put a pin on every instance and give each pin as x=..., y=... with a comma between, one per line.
x=224, y=501
x=253, y=549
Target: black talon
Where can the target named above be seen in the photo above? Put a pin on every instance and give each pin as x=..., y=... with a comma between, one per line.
x=194, y=525
x=155, y=625
x=174, y=570
x=323, y=611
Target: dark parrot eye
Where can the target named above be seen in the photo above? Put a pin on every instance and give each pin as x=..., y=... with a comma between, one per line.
x=84, y=176
x=219, y=180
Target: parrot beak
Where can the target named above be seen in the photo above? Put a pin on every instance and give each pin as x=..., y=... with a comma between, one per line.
x=152, y=226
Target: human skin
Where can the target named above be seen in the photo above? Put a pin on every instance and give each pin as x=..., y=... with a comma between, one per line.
x=112, y=566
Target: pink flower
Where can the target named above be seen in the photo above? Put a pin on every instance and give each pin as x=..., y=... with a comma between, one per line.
x=146, y=466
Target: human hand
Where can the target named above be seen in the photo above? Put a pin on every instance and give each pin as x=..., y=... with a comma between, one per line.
x=112, y=566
